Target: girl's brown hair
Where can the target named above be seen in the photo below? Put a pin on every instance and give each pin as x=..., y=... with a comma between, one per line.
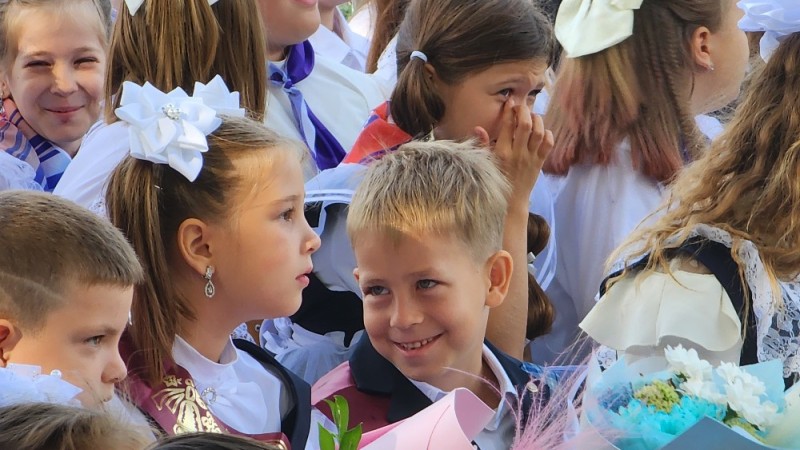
x=459, y=37
x=175, y=43
x=541, y=313
x=148, y=202
x=636, y=90
x=389, y=14
x=747, y=183
x=47, y=426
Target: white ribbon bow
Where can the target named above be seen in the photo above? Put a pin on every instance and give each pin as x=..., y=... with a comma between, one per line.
x=172, y=128
x=134, y=5
x=584, y=27
x=777, y=18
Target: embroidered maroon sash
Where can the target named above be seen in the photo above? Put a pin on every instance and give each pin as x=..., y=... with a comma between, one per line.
x=176, y=405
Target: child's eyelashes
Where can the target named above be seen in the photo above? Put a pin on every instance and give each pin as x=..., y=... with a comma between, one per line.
x=37, y=63
x=427, y=284
x=375, y=290
x=95, y=340
x=288, y=215
x=505, y=92
x=86, y=60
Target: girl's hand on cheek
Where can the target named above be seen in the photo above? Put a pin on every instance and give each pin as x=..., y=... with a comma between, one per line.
x=521, y=148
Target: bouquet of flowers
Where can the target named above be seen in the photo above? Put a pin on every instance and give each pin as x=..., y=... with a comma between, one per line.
x=648, y=412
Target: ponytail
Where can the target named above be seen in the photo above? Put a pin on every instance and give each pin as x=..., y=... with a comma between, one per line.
x=172, y=44
x=541, y=313
x=133, y=205
x=415, y=106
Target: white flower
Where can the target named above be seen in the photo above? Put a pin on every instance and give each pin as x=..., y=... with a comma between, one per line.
x=687, y=363
x=167, y=128
x=743, y=392
x=703, y=389
x=216, y=95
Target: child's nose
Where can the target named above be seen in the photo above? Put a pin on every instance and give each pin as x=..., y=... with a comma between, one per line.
x=404, y=314
x=64, y=81
x=313, y=241
x=115, y=370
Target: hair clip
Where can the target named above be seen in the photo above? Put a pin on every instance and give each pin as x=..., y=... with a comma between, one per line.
x=172, y=128
x=134, y=5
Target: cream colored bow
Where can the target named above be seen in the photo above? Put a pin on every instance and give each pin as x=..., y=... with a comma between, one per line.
x=134, y=5
x=584, y=27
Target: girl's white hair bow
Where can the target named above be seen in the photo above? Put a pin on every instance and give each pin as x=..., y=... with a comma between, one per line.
x=584, y=27
x=134, y=5
x=172, y=128
x=777, y=18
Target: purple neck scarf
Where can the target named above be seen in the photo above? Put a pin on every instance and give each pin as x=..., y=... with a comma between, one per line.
x=324, y=147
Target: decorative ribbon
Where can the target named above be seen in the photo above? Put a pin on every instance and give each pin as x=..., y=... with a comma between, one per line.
x=584, y=27
x=134, y=5
x=323, y=145
x=776, y=18
x=172, y=128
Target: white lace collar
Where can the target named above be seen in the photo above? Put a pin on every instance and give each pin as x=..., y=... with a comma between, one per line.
x=777, y=320
x=21, y=383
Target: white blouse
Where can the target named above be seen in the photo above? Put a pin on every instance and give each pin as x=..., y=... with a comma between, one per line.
x=351, y=49
x=237, y=389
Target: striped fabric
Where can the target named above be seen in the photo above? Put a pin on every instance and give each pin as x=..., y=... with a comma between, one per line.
x=18, y=139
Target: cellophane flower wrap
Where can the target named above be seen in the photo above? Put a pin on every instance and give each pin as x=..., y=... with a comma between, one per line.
x=644, y=412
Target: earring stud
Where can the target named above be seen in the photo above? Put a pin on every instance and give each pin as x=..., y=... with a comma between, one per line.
x=210, y=289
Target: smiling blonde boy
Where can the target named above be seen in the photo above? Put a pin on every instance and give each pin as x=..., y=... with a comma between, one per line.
x=426, y=225
x=68, y=280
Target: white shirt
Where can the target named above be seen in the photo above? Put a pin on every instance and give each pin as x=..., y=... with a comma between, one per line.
x=238, y=389
x=499, y=432
x=16, y=174
x=340, y=97
x=596, y=208
x=85, y=179
x=350, y=49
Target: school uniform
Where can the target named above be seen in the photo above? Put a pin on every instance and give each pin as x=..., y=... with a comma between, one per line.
x=350, y=49
x=246, y=393
x=319, y=102
x=379, y=394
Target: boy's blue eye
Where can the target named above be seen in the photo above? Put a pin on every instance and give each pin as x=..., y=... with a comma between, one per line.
x=427, y=284
x=376, y=290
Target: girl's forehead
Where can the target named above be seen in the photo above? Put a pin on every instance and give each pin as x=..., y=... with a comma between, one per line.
x=30, y=26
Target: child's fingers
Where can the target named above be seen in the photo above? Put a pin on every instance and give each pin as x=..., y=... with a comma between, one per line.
x=522, y=131
x=482, y=136
x=506, y=136
x=547, y=145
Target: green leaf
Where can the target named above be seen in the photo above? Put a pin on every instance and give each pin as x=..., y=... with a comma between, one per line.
x=344, y=415
x=335, y=413
x=326, y=439
x=351, y=439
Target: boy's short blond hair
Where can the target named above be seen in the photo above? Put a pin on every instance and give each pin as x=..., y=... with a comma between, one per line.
x=439, y=187
x=48, y=245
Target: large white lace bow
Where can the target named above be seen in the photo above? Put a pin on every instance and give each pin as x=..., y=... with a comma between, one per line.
x=172, y=128
x=134, y=5
x=584, y=27
x=777, y=18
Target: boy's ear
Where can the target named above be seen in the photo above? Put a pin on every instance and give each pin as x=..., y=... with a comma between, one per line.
x=9, y=337
x=356, y=275
x=194, y=244
x=499, y=266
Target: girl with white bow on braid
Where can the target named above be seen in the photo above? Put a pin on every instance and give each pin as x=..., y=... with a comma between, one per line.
x=53, y=55
x=212, y=203
x=634, y=76
x=312, y=99
x=720, y=271
x=170, y=44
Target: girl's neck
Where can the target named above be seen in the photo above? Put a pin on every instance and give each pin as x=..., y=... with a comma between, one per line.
x=276, y=53
x=328, y=19
x=207, y=333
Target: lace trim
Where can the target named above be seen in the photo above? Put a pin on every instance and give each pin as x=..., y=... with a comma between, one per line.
x=777, y=320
